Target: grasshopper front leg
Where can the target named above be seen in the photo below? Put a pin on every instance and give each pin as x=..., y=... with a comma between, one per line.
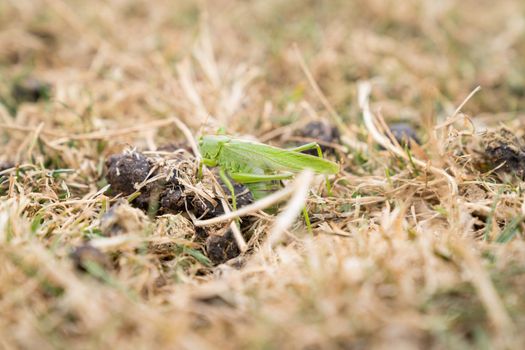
x=207, y=162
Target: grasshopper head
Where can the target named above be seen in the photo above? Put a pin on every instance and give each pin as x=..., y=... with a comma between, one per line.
x=210, y=145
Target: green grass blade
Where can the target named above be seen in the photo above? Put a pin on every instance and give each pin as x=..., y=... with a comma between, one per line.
x=510, y=230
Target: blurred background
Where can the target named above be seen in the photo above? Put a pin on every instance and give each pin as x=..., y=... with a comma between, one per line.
x=424, y=56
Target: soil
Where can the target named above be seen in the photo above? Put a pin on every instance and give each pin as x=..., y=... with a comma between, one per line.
x=30, y=90
x=220, y=249
x=126, y=171
x=504, y=152
x=321, y=131
x=403, y=133
x=86, y=254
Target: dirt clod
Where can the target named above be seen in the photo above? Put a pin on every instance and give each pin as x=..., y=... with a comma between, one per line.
x=166, y=186
x=126, y=170
x=403, y=133
x=172, y=200
x=205, y=209
x=505, y=151
x=30, y=90
x=243, y=196
x=85, y=255
x=221, y=248
x=321, y=131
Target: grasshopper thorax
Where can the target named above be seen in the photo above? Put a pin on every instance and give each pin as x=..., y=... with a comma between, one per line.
x=210, y=145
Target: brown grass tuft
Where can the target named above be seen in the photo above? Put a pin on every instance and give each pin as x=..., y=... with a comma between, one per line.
x=419, y=245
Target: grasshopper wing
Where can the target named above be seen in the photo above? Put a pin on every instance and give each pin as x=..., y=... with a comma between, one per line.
x=276, y=159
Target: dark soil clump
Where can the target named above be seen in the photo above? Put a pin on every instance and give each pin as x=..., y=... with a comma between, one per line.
x=169, y=188
x=504, y=151
x=221, y=248
x=86, y=255
x=243, y=196
x=126, y=170
x=173, y=200
x=322, y=132
x=204, y=209
x=403, y=133
x=30, y=90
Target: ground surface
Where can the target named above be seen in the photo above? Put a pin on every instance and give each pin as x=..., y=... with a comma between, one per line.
x=417, y=246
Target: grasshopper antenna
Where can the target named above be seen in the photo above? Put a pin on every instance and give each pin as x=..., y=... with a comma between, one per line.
x=201, y=127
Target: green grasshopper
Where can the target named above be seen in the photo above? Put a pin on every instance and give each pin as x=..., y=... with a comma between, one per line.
x=259, y=166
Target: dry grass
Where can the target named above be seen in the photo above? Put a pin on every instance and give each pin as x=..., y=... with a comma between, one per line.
x=414, y=249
